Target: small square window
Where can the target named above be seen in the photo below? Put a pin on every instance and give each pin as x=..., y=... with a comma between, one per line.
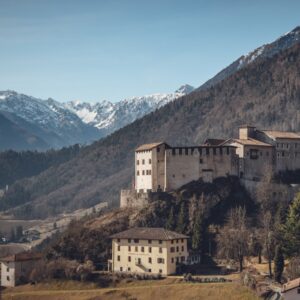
x=149, y=241
x=119, y=240
x=149, y=270
x=129, y=269
x=136, y=240
x=160, y=241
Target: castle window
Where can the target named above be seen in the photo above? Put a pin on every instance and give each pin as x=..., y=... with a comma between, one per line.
x=142, y=249
x=149, y=161
x=136, y=240
x=253, y=154
x=160, y=241
x=150, y=250
x=7, y=278
x=201, y=161
x=129, y=258
x=160, y=260
x=186, y=151
x=177, y=249
x=149, y=260
x=137, y=162
x=129, y=248
x=119, y=248
x=118, y=258
x=182, y=240
x=136, y=249
x=149, y=270
x=143, y=161
x=149, y=241
x=121, y=269
x=172, y=249
x=129, y=269
x=172, y=260
x=137, y=173
x=143, y=172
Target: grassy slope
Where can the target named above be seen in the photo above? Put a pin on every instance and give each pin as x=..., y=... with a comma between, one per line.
x=142, y=290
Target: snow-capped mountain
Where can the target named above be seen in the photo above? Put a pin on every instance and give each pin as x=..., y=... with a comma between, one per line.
x=265, y=51
x=47, y=119
x=108, y=116
x=51, y=124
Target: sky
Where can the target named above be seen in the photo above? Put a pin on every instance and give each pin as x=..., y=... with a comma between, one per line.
x=92, y=50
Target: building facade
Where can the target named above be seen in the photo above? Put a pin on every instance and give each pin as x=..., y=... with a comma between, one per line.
x=148, y=251
x=160, y=167
x=15, y=269
x=262, y=151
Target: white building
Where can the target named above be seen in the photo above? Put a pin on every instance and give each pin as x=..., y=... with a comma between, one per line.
x=15, y=269
x=148, y=250
x=159, y=166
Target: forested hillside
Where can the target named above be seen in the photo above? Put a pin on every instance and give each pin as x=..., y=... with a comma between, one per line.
x=265, y=93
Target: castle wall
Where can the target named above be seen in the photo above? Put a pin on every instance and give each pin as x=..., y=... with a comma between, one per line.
x=143, y=170
x=132, y=198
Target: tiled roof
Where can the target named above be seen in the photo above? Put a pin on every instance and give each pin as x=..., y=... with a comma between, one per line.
x=250, y=142
x=148, y=146
x=145, y=233
x=291, y=285
x=22, y=257
x=214, y=142
x=281, y=134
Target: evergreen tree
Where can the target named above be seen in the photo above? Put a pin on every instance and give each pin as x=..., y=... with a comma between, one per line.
x=182, y=218
x=19, y=232
x=12, y=235
x=291, y=229
x=278, y=263
x=170, y=224
x=198, y=232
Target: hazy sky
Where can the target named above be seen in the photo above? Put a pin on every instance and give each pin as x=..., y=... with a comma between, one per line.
x=112, y=49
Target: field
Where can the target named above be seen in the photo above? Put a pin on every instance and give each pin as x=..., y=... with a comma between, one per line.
x=170, y=288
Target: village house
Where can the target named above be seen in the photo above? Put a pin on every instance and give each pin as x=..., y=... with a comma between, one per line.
x=15, y=269
x=148, y=250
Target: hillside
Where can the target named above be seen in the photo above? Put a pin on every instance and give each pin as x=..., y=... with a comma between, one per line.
x=265, y=93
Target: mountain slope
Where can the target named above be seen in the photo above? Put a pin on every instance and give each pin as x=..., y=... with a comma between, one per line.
x=17, y=135
x=48, y=120
x=266, y=51
x=265, y=93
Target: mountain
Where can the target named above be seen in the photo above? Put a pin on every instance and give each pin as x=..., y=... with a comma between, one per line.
x=48, y=121
x=265, y=51
x=265, y=93
x=108, y=116
x=51, y=124
x=17, y=135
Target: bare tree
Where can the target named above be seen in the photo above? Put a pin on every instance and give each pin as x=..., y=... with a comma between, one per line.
x=233, y=239
x=267, y=237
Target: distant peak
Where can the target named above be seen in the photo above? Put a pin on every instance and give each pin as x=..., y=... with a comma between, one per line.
x=185, y=89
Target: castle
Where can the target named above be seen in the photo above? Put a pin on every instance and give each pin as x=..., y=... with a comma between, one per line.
x=161, y=167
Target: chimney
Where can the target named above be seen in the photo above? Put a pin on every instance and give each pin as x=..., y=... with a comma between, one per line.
x=246, y=132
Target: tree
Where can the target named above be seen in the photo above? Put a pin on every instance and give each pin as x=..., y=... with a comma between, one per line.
x=291, y=229
x=278, y=263
x=12, y=235
x=19, y=232
x=170, y=224
x=233, y=239
x=198, y=233
x=267, y=237
x=182, y=218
